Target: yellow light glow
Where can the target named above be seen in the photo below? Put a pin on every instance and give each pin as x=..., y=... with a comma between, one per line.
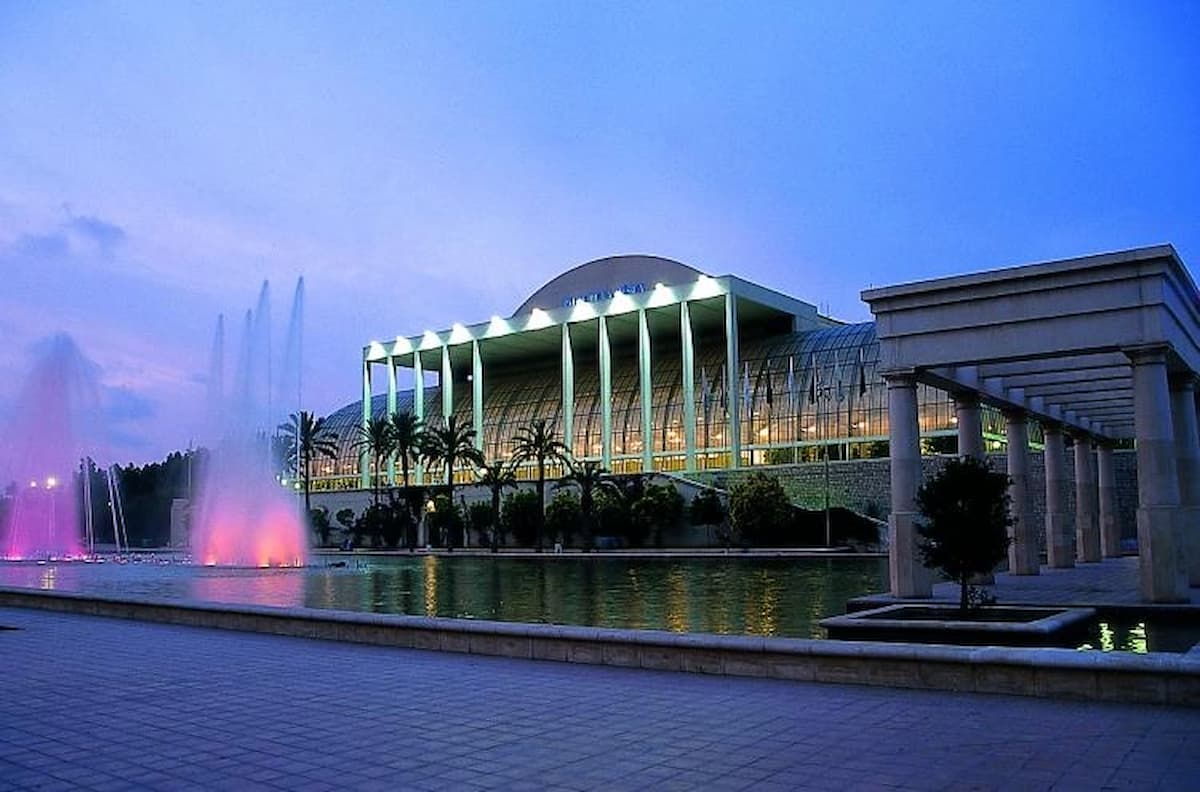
x=51, y=482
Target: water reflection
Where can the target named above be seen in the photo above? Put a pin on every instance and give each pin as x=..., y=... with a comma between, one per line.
x=719, y=595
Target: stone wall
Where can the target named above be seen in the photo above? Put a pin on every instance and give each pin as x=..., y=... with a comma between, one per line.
x=863, y=485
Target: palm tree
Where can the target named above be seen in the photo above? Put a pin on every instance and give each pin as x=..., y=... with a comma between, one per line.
x=537, y=441
x=590, y=477
x=449, y=444
x=306, y=438
x=496, y=477
x=408, y=433
x=375, y=437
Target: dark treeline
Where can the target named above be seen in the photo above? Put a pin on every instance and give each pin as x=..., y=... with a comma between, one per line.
x=146, y=494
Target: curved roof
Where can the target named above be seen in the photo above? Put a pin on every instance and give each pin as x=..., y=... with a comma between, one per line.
x=600, y=278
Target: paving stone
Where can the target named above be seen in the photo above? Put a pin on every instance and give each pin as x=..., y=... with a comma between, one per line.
x=196, y=708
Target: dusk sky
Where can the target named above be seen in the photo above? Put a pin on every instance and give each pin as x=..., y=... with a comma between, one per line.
x=427, y=163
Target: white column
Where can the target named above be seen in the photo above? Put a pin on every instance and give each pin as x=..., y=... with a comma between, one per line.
x=733, y=393
x=970, y=424
x=1187, y=461
x=644, y=375
x=391, y=410
x=418, y=411
x=364, y=462
x=477, y=395
x=1087, y=527
x=1106, y=480
x=447, y=385
x=1023, y=552
x=688, y=364
x=1158, y=479
x=1060, y=544
x=568, y=389
x=605, y=396
x=909, y=577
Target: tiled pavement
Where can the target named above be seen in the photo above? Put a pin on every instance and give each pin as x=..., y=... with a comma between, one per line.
x=1113, y=581
x=105, y=704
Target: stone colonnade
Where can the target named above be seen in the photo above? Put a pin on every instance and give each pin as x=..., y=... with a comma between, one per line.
x=1168, y=463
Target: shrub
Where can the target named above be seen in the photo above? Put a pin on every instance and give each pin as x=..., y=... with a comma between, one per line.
x=446, y=521
x=661, y=506
x=563, y=517
x=479, y=516
x=965, y=527
x=318, y=518
x=759, y=509
x=611, y=514
x=706, y=508
x=519, y=517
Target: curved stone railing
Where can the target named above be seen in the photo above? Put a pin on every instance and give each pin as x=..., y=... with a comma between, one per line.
x=1153, y=678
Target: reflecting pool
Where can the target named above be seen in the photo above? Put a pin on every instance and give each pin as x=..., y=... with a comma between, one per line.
x=729, y=595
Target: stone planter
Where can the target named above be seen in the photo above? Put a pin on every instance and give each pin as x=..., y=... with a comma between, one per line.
x=996, y=625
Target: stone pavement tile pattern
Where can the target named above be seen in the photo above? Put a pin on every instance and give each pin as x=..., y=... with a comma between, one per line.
x=1113, y=581
x=91, y=703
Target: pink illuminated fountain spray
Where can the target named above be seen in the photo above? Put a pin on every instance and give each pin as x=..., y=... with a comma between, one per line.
x=55, y=424
x=246, y=515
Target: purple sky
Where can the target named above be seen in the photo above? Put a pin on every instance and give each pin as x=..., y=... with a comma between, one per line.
x=426, y=163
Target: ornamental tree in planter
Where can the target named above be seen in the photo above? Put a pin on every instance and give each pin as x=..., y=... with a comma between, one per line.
x=964, y=531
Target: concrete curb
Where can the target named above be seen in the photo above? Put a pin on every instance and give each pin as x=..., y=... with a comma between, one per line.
x=1058, y=673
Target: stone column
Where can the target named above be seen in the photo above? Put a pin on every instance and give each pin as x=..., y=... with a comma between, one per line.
x=477, y=394
x=418, y=411
x=1087, y=528
x=364, y=461
x=687, y=351
x=1023, y=552
x=447, y=385
x=391, y=410
x=909, y=577
x=1158, y=479
x=733, y=391
x=1110, y=531
x=1187, y=461
x=1060, y=547
x=568, y=389
x=970, y=424
x=647, y=392
x=605, y=396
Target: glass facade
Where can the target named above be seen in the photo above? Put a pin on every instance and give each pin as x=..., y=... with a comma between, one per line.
x=802, y=395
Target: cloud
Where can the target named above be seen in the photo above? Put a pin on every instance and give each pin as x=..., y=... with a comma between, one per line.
x=104, y=235
x=124, y=405
x=79, y=236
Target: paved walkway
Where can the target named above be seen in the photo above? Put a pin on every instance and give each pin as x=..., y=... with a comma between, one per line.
x=1113, y=581
x=106, y=704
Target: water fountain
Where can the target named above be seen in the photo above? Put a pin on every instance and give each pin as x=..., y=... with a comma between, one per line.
x=56, y=420
x=246, y=516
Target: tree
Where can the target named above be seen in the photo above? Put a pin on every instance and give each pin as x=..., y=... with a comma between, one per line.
x=408, y=437
x=345, y=518
x=449, y=444
x=497, y=477
x=591, y=477
x=706, y=508
x=759, y=509
x=537, y=441
x=661, y=506
x=319, y=520
x=446, y=520
x=563, y=516
x=965, y=527
x=306, y=438
x=520, y=516
x=375, y=437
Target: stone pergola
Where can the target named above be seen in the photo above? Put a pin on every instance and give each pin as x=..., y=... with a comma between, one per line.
x=1102, y=348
